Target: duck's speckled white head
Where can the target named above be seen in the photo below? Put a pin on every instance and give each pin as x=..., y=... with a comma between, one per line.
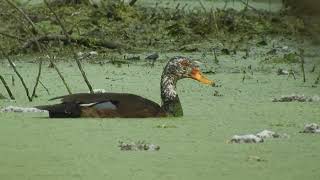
x=182, y=67
x=179, y=68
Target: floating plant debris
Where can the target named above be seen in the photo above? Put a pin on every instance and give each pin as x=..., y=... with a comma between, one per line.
x=311, y=128
x=298, y=98
x=138, y=146
x=256, y=138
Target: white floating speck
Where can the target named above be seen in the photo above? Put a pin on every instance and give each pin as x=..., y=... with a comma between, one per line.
x=248, y=138
x=267, y=134
x=311, y=128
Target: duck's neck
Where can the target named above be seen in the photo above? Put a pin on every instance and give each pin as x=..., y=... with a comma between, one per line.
x=170, y=99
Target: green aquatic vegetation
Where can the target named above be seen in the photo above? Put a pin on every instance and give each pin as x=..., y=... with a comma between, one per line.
x=139, y=27
x=286, y=58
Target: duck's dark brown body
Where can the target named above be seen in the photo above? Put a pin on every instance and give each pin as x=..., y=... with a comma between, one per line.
x=104, y=105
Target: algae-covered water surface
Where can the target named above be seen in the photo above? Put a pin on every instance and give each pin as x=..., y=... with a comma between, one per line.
x=254, y=52
x=36, y=147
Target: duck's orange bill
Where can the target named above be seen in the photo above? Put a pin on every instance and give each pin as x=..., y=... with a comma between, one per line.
x=197, y=75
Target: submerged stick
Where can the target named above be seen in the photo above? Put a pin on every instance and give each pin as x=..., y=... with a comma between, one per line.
x=202, y=6
x=18, y=74
x=291, y=73
x=302, y=64
x=12, y=80
x=69, y=40
x=318, y=79
x=7, y=88
x=37, y=43
x=313, y=68
x=215, y=20
x=269, y=5
x=60, y=75
x=44, y=87
x=215, y=56
x=225, y=4
x=247, y=5
x=244, y=75
x=132, y=2
x=37, y=80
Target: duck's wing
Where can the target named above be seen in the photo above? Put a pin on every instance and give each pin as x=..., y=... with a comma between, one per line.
x=104, y=105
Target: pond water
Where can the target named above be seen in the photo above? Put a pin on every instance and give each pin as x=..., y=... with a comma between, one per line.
x=36, y=147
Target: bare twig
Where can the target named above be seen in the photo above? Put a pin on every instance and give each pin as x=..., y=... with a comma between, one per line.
x=215, y=56
x=313, y=68
x=32, y=32
x=248, y=6
x=44, y=87
x=269, y=5
x=37, y=80
x=16, y=71
x=291, y=73
x=60, y=75
x=225, y=4
x=78, y=40
x=24, y=15
x=7, y=88
x=202, y=6
x=69, y=40
x=302, y=64
x=11, y=36
x=132, y=2
x=244, y=75
x=215, y=20
x=12, y=80
x=317, y=80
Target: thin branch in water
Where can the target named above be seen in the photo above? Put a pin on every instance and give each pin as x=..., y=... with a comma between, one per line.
x=318, y=79
x=37, y=80
x=32, y=32
x=291, y=73
x=60, y=75
x=302, y=64
x=313, y=68
x=244, y=76
x=247, y=5
x=44, y=87
x=69, y=40
x=16, y=71
x=202, y=6
x=225, y=4
x=12, y=80
x=269, y=5
x=216, y=60
x=215, y=20
x=7, y=88
x=132, y=2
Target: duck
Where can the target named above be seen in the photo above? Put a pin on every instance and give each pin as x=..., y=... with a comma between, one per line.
x=126, y=105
